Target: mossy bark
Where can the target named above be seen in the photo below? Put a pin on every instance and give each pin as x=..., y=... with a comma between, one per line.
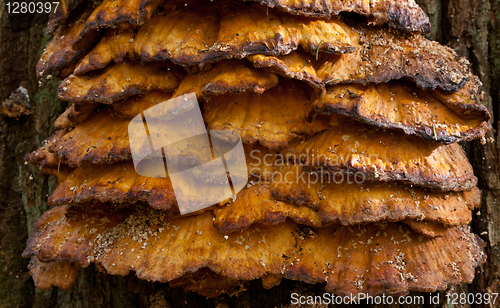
x=473, y=30
x=21, y=199
x=471, y=27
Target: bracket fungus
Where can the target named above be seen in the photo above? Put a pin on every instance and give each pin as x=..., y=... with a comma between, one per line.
x=315, y=97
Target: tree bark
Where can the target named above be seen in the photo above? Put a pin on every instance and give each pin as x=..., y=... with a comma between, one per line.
x=470, y=27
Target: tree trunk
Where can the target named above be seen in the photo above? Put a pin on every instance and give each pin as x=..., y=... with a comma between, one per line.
x=470, y=27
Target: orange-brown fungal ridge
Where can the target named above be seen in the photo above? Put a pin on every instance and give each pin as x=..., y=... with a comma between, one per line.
x=404, y=15
x=158, y=248
x=383, y=55
x=118, y=82
x=285, y=195
x=432, y=115
x=60, y=274
x=331, y=143
x=59, y=15
x=59, y=54
x=255, y=204
x=339, y=52
x=386, y=258
x=347, y=202
x=121, y=14
x=203, y=34
x=384, y=156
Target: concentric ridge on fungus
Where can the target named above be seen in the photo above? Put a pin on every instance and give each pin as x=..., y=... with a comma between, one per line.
x=317, y=205
x=385, y=156
x=256, y=204
x=59, y=55
x=120, y=81
x=59, y=16
x=394, y=259
x=115, y=14
x=404, y=15
x=432, y=114
x=125, y=15
x=60, y=274
x=384, y=55
x=379, y=155
x=205, y=282
x=370, y=57
x=195, y=37
x=353, y=203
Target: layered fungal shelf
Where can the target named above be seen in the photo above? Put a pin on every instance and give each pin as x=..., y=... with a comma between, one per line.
x=318, y=91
